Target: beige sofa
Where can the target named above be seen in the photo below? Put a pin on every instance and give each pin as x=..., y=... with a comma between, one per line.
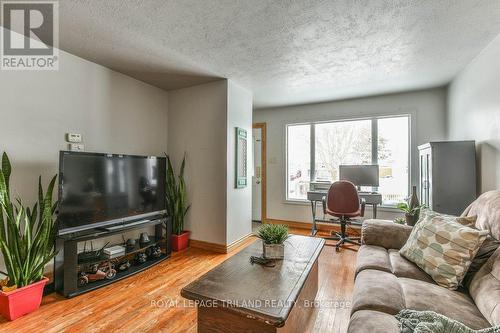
x=387, y=283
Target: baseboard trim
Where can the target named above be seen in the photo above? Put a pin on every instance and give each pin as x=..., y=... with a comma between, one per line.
x=219, y=248
x=234, y=245
x=322, y=227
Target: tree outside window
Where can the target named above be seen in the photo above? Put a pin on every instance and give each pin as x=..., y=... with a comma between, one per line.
x=346, y=142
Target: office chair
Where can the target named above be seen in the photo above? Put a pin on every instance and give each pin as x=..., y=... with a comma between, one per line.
x=342, y=201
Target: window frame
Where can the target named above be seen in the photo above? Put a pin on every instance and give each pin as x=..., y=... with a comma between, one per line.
x=374, y=149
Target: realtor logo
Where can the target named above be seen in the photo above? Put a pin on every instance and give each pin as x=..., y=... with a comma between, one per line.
x=30, y=35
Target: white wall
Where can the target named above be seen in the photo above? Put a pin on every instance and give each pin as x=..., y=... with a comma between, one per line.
x=239, y=200
x=197, y=127
x=202, y=121
x=113, y=112
x=474, y=112
x=427, y=109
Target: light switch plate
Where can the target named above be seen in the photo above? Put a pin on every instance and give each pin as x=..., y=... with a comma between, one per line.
x=74, y=137
x=76, y=147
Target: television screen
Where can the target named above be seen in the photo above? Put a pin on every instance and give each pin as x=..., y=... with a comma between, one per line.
x=360, y=175
x=102, y=189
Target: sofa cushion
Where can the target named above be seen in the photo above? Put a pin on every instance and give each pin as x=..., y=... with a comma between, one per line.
x=443, y=248
x=391, y=261
x=379, y=291
x=486, y=207
x=485, y=289
x=373, y=322
x=373, y=257
x=402, y=267
x=423, y=296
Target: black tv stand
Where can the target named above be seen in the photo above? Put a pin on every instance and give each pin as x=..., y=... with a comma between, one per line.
x=67, y=263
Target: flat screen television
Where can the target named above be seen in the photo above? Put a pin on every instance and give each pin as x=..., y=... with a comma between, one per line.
x=360, y=175
x=97, y=189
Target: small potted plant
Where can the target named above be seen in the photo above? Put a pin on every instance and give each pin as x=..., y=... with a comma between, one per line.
x=27, y=245
x=411, y=214
x=273, y=238
x=177, y=206
x=400, y=220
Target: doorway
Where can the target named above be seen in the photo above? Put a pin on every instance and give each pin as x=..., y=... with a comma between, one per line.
x=259, y=174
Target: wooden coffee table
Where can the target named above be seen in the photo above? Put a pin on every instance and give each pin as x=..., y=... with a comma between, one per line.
x=237, y=296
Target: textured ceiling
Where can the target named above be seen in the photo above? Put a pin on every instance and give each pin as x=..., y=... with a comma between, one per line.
x=286, y=52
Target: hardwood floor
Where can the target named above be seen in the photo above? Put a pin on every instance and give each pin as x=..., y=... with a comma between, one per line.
x=151, y=301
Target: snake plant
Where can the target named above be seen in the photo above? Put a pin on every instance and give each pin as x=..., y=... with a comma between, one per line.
x=26, y=234
x=176, y=193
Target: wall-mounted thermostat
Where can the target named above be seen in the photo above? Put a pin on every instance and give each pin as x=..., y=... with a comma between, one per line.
x=74, y=137
x=76, y=147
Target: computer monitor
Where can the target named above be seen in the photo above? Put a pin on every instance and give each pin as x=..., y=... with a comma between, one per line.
x=360, y=175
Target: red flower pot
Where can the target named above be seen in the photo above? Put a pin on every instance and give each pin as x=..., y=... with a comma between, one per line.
x=180, y=242
x=19, y=302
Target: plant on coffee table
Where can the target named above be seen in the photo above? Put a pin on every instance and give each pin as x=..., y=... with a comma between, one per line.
x=273, y=237
x=27, y=245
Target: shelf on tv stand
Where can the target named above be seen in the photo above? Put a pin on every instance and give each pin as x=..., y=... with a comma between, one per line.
x=66, y=261
x=138, y=247
x=119, y=276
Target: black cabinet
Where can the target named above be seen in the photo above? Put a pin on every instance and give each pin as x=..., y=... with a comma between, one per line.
x=447, y=175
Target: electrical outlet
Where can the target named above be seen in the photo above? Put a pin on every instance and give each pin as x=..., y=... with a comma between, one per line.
x=76, y=147
x=74, y=137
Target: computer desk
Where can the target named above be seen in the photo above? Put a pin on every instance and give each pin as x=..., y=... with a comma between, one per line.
x=373, y=199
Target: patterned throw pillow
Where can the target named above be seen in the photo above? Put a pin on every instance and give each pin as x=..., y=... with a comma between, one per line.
x=443, y=247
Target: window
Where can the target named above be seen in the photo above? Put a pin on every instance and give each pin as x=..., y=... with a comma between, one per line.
x=393, y=142
x=315, y=151
x=299, y=163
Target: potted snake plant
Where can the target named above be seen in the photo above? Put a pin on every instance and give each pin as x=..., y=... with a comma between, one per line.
x=27, y=244
x=177, y=207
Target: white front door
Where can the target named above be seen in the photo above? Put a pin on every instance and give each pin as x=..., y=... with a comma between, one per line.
x=257, y=175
